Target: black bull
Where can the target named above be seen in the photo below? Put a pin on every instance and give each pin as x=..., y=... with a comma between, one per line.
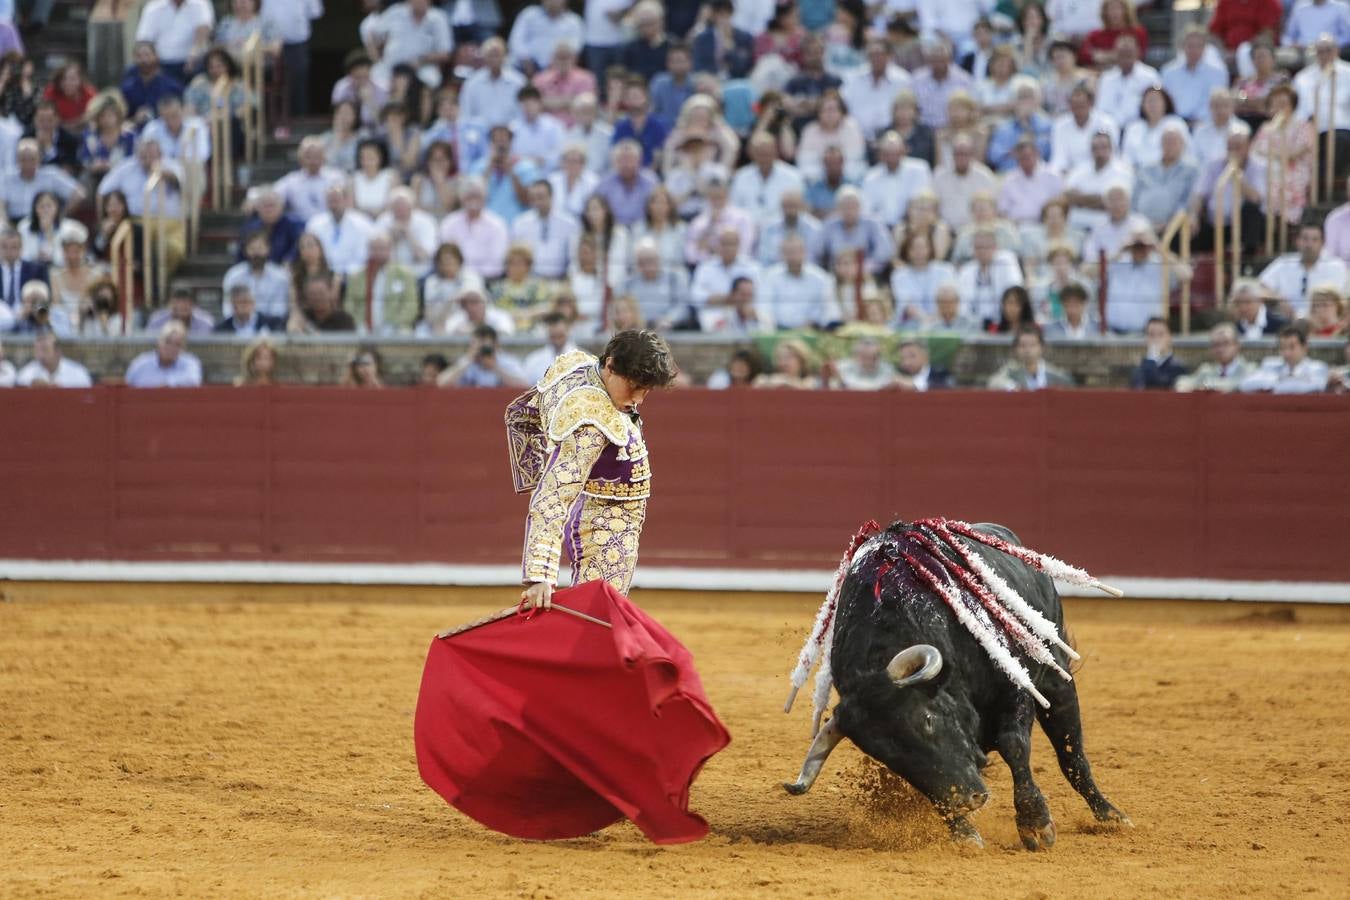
x=919, y=694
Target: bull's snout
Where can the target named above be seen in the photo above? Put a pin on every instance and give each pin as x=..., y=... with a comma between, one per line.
x=976, y=800
x=964, y=801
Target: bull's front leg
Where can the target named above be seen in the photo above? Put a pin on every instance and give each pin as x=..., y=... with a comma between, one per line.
x=1063, y=725
x=1013, y=742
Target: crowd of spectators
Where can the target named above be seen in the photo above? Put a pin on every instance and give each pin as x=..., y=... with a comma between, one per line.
x=736, y=169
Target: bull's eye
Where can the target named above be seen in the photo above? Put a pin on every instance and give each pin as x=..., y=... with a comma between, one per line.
x=928, y=722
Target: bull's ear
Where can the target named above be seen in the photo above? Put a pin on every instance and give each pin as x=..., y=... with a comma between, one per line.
x=914, y=665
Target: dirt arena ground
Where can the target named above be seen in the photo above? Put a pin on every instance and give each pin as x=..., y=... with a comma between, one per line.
x=215, y=741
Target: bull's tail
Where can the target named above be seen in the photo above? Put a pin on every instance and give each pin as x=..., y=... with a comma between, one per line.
x=821, y=639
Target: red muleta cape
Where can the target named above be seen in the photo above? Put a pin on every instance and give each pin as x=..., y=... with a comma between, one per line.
x=553, y=727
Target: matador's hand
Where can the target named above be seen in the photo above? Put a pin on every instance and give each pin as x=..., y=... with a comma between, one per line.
x=538, y=595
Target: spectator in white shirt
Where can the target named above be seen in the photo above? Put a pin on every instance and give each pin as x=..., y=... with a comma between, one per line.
x=489, y=94
x=20, y=185
x=180, y=31
x=475, y=312
x=1110, y=234
x=557, y=341
x=290, y=22
x=168, y=365
x=951, y=19
x=1086, y=186
x=1292, y=372
x=48, y=368
x=1209, y=141
x=591, y=132
x=1134, y=291
x=477, y=231
x=982, y=281
x=606, y=33
x=794, y=220
x=799, y=293
x=537, y=32
x=745, y=313
x=536, y=136
x=344, y=232
x=1072, y=134
x=1293, y=276
x=1074, y=18
x=412, y=232
x=888, y=186
x=958, y=183
x=548, y=231
x=1121, y=87
x=710, y=291
x=269, y=283
x=185, y=139
x=870, y=92
x=1141, y=145
x=758, y=188
x=130, y=177
x=412, y=32
x=305, y=190
x=1314, y=86
x=1029, y=186
x=573, y=183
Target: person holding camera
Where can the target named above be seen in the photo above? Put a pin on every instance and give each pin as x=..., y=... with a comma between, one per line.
x=36, y=313
x=99, y=314
x=483, y=365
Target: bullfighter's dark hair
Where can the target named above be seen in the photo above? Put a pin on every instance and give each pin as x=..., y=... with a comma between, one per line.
x=643, y=357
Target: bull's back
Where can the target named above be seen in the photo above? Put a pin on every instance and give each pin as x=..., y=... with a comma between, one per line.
x=871, y=626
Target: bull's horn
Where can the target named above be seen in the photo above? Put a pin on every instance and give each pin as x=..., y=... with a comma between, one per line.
x=914, y=665
x=826, y=740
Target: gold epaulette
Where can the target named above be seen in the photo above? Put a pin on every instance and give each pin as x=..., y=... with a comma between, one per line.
x=565, y=365
x=588, y=405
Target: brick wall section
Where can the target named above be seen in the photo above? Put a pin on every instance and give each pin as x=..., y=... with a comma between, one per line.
x=320, y=361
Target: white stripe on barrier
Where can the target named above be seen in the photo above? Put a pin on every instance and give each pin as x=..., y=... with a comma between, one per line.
x=654, y=577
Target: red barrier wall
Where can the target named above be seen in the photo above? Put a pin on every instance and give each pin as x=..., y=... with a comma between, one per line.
x=1123, y=483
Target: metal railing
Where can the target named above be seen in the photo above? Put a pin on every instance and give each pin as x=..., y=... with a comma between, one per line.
x=255, y=130
x=1180, y=224
x=122, y=255
x=155, y=239
x=1231, y=175
x=1277, y=161
x=222, y=145
x=193, y=177
x=1329, y=155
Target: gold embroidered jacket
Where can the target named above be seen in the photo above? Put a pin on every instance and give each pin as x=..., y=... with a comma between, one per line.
x=572, y=447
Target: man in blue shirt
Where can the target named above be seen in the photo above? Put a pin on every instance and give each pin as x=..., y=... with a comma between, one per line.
x=1026, y=122
x=505, y=175
x=145, y=83
x=672, y=87
x=283, y=230
x=168, y=365
x=639, y=124
x=1309, y=19
x=1190, y=78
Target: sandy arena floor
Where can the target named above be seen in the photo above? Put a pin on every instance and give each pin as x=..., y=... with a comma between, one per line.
x=213, y=741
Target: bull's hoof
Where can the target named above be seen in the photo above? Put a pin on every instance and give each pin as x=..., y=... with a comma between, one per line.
x=1037, y=838
x=965, y=834
x=1109, y=815
x=796, y=788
